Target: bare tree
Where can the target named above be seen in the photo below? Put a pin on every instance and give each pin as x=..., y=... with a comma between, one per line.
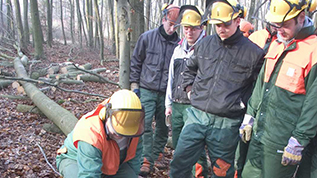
x=49, y=6
x=111, y=25
x=37, y=29
x=148, y=14
x=71, y=4
x=79, y=22
x=136, y=15
x=19, y=25
x=89, y=22
x=124, y=35
x=25, y=21
x=10, y=25
x=62, y=22
x=100, y=31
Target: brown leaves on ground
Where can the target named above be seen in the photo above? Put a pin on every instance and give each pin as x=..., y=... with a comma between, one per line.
x=22, y=134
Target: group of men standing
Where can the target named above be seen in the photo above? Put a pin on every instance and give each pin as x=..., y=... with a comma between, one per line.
x=210, y=80
x=220, y=91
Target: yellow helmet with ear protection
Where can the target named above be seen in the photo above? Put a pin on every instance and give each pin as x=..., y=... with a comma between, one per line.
x=283, y=10
x=125, y=111
x=225, y=11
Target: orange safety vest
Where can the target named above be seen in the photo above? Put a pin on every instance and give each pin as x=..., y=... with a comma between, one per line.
x=296, y=63
x=91, y=129
x=260, y=37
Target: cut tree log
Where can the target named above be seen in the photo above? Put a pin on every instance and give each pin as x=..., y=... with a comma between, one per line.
x=53, y=70
x=90, y=78
x=27, y=108
x=5, y=83
x=64, y=119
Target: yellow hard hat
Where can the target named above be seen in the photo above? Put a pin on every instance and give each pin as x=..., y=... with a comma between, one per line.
x=126, y=113
x=225, y=11
x=283, y=10
x=191, y=18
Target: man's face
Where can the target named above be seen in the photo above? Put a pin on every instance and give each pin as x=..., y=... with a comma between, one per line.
x=168, y=26
x=289, y=29
x=226, y=30
x=192, y=33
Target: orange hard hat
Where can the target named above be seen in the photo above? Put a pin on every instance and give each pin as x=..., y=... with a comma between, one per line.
x=246, y=28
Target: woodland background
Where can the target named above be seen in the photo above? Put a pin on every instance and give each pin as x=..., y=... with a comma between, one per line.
x=58, y=60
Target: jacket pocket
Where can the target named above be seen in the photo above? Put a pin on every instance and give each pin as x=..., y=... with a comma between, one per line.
x=291, y=77
x=152, y=57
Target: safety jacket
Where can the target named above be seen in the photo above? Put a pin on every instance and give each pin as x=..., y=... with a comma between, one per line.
x=150, y=60
x=263, y=38
x=182, y=52
x=284, y=99
x=222, y=74
x=91, y=129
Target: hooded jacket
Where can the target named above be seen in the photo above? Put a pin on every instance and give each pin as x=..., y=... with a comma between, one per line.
x=222, y=74
x=182, y=52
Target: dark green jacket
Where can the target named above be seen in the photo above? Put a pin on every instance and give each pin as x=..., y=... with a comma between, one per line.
x=284, y=100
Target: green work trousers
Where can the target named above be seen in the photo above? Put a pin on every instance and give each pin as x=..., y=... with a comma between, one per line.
x=264, y=161
x=219, y=134
x=240, y=158
x=69, y=169
x=179, y=116
x=308, y=165
x=154, y=106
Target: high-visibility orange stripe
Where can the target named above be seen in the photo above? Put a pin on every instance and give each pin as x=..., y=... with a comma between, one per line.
x=198, y=171
x=296, y=64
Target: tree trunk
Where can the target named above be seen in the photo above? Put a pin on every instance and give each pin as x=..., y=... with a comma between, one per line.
x=1, y=14
x=115, y=15
x=136, y=16
x=49, y=5
x=251, y=11
x=124, y=38
x=111, y=25
x=19, y=25
x=62, y=22
x=89, y=23
x=64, y=119
x=25, y=21
x=10, y=26
x=100, y=31
x=79, y=21
x=37, y=29
x=148, y=14
x=71, y=4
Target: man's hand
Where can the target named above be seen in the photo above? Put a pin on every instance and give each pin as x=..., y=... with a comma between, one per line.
x=245, y=129
x=135, y=88
x=188, y=91
x=292, y=152
x=168, y=111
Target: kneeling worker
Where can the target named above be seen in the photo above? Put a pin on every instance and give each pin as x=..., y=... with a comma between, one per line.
x=105, y=141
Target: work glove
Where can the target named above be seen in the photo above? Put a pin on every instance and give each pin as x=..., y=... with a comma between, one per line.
x=245, y=129
x=136, y=89
x=292, y=152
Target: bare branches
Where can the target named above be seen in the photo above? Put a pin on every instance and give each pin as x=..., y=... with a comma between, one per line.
x=99, y=76
x=50, y=84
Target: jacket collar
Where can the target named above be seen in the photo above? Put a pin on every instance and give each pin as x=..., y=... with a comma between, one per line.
x=170, y=38
x=233, y=39
x=183, y=43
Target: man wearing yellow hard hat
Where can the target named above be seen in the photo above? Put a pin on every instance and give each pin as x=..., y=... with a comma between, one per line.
x=282, y=109
x=218, y=78
x=105, y=141
x=176, y=101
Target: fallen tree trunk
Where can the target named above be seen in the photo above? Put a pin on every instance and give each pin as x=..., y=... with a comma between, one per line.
x=5, y=83
x=60, y=116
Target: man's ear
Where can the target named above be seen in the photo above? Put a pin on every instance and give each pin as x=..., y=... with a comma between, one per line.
x=301, y=17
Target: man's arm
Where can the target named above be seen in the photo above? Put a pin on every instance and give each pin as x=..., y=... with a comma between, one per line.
x=190, y=71
x=89, y=160
x=168, y=97
x=137, y=60
x=306, y=126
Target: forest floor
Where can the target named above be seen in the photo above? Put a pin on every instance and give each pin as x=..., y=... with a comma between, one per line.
x=23, y=139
